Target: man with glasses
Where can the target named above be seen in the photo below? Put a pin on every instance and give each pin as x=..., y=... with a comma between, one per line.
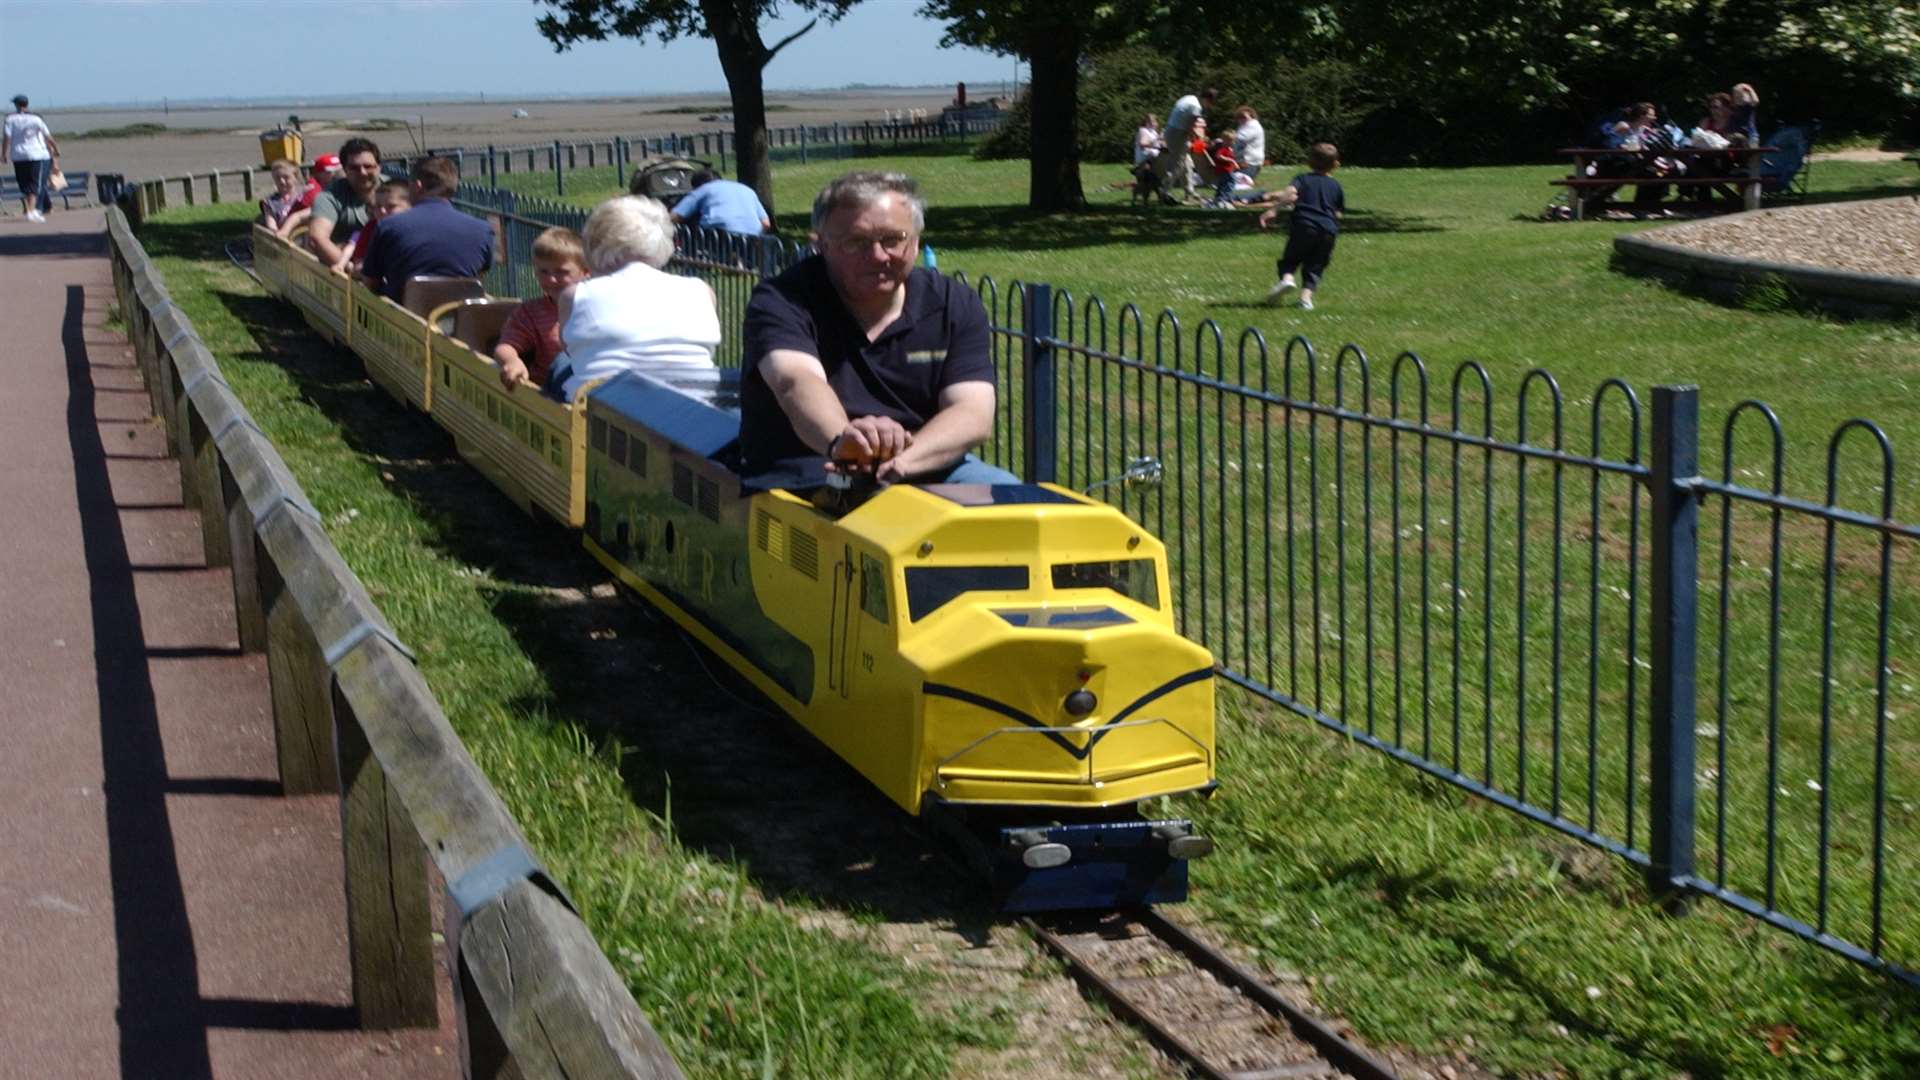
x=858, y=361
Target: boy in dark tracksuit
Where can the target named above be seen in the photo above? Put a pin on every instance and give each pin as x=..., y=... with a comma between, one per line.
x=1318, y=203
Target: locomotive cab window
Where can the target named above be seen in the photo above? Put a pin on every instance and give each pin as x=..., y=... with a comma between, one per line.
x=1136, y=579
x=930, y=587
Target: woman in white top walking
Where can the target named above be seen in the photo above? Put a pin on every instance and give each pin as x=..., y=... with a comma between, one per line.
x=33, y=151
x=631, y=313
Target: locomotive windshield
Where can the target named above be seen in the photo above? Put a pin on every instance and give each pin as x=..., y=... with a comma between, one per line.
x=1135, y=579
x=930, y=587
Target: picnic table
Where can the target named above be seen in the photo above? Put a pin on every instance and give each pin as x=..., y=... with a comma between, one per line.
x=1745, y=174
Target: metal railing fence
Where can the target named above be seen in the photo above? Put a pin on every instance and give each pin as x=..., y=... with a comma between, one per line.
x=1523, y=617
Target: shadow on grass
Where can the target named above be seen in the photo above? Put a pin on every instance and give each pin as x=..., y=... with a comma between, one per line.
x=1411, y=898
x=738, y=780
x=1016, y=228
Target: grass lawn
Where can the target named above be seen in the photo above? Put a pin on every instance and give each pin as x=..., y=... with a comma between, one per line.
x=1429, y=919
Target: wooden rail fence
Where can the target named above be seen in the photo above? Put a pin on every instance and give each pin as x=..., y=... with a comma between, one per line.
x=536, y=996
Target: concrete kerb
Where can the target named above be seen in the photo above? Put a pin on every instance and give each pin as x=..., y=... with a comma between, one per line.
x=1844, y=290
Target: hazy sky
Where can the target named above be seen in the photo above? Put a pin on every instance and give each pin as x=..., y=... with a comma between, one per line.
x=76, y=52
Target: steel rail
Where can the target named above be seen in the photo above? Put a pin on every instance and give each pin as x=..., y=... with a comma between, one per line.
x=1338, y=1053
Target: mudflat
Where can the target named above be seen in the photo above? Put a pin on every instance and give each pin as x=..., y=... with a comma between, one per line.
x=201, y=139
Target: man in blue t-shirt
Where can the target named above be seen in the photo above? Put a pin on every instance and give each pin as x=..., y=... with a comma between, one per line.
x=859, y=361
x=722, y=204
x=433, y=238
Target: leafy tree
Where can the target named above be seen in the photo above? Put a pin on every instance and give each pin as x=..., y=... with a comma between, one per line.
x=733, y=26
x=1051, y=36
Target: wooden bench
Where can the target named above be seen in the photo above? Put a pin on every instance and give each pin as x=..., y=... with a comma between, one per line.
x=76, y=187
x=1747, y=177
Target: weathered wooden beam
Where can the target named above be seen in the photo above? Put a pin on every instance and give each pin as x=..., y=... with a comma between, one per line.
x=389, y=909
x=560, y=1009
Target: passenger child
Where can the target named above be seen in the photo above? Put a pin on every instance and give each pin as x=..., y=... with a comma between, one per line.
x=390, y=198
x=530, y=342
x=277, y=207
x=1318, y=205
x=1220, y=158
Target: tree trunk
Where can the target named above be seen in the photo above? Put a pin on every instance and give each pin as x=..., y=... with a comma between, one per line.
x=1054, y=128
x=743, y=56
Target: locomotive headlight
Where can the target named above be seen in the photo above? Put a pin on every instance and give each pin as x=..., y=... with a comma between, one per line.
x=1081, y=702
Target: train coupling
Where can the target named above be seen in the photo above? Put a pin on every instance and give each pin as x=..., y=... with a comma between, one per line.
x=1182, y=842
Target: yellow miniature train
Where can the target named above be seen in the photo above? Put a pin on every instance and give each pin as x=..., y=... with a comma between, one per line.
x=999, y=660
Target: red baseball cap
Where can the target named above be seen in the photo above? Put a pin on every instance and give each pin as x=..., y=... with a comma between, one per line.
x=327, y=161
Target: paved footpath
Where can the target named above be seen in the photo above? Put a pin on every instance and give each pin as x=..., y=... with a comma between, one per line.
x=164, y=911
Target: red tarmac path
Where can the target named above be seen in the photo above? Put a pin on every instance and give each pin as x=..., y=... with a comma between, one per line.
x=164, y=911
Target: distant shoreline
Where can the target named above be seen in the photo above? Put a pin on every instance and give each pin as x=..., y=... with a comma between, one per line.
x=720, y=97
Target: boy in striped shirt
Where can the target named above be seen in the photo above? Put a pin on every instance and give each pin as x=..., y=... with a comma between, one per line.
x=530, y=342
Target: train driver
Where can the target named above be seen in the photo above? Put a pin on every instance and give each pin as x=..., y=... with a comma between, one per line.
x=859, y=361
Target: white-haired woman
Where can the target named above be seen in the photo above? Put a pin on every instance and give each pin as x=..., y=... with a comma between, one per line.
x=630, y=312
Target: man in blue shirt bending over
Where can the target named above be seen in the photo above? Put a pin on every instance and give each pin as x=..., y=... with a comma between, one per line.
x=433, y=238
x=728, y=205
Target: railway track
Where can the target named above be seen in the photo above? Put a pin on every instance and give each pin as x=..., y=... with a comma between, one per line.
x=1196, y=1004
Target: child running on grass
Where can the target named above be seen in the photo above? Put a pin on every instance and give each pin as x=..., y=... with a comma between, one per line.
x=530, y=342
x=1318, y=204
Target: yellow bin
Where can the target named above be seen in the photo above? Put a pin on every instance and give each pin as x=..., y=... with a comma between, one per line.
x=280, y=143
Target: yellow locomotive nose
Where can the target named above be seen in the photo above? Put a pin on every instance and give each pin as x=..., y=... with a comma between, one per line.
x=1066, y=706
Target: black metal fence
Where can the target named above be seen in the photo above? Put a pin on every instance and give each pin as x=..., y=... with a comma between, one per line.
x=485, y=165
x=1686, y=667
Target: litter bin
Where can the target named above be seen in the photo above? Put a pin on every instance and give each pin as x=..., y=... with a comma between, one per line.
x=281, y=143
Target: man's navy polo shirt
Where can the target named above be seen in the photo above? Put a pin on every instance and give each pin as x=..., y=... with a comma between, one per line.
x=432, y=238
x=940, y=339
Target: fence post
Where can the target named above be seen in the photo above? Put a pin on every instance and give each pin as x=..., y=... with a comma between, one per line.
x=723, y=151
x=803, y=144
x=246, y=183
x=620, y=160
x=1039, y=422
x=493, y=174
x=186, y=190
x=559, y=174
x=1673, y=610
x=213, y=186
x=389, y=913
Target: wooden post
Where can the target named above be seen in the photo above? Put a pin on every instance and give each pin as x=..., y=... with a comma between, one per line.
x=186, y=189
x=213, y=186
x=249, y=613
x=302, y=706
x=202, y=465
x=389, y=917
x=246, y=183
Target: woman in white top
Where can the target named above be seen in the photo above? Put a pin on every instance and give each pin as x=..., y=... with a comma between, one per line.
x=1146, y=141
x=1249, y=141
x=631, y=313
x=31, y=148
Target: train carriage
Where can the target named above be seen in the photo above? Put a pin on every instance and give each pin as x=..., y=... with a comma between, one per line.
x=270, y=260
x=529, y=445
x=393, y=344
x=323, y=296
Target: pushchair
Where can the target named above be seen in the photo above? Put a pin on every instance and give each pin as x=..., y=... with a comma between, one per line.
x=668, y=179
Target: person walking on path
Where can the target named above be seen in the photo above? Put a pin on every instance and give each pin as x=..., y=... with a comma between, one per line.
x=31, y=147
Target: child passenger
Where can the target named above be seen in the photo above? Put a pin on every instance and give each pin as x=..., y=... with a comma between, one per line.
x=530, y=342
x=390, y=198
x=275, y=208
x=1318, y=204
